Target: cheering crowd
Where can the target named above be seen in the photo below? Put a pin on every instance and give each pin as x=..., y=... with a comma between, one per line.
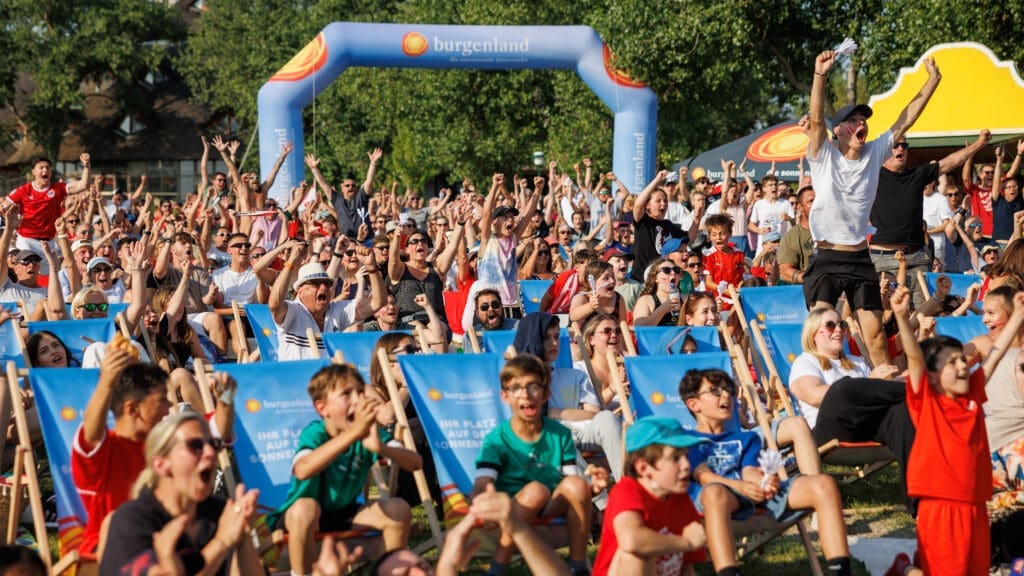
x=854, y=233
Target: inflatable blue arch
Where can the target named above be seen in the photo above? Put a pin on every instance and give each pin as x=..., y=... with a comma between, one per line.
x=344, y=44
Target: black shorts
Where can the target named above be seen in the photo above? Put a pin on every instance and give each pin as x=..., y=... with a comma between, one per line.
x=833, y=272
x=338, y=520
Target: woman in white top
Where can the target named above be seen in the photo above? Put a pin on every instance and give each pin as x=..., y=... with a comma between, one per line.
x=842, y=398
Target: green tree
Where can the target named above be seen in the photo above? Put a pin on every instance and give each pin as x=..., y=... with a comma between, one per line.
x=62, y=44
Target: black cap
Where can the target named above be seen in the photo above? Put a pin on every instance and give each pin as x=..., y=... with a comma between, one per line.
x=846, y=111
x=503, y=211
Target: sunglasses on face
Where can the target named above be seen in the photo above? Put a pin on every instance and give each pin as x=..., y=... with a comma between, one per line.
x=951, y=194
x=99, y=269
x=901, y=145
x=407, y=349
x=196, y=445
x=692, y=265
x=974, y=226
x=74, y=222
x=256, y=255
x=29, y=261
x=987, y=173
x=670, y=270
x=245, y=245
x=831, y=326
x=609, y=331
x=349, y=253
x=95, y=307
x=495, y=305
x=416, y=241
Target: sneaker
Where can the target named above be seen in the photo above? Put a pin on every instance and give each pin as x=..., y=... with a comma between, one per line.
x=899, y=565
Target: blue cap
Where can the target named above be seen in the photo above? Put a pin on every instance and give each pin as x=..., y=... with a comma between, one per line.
x=671, y=245
x=658, y=430
x=772, y=236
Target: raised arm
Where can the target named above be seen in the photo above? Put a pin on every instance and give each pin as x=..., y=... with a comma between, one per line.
x=55, y=309
x=526, y=214
x=962, y=155
x=12, y=219
x=137, y=262
x=83, y=183
x=640, y=206
x=997, y=177
x=204, y=172
x=314, y=166
x=817, y=132
x=278, y=292
x=1015, y=167
x=1006, y=337
x=371, y=171
x=912, y=112
x=915, y=359
x=222, y=147
x=445, y=259
x=94, y=421
x=485, y=213
x=269, y=183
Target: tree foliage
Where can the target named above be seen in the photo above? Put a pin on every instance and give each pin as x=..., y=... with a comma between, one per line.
x=62, y=44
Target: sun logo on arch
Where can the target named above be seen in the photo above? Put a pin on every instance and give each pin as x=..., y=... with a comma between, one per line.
x=414, y=44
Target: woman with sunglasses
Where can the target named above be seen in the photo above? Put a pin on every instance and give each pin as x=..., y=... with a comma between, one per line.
x=601, y=334
x=416, y=275
x=842, y=398
x=659, y=302
x=536, y=262
x=175, y=522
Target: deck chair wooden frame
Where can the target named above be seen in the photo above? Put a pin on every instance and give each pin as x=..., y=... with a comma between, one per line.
x=25, y=471
x=243, y=344
x=862, y=458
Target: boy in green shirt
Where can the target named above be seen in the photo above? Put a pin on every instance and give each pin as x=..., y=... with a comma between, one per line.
x=533, y=459
x=331, y=462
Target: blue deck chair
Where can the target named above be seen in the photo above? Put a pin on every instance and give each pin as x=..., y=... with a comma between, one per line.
x=783, y=340
x=497, y=341
x=961, y=282
x=963, y=328
x=356, y=347
x=657, y=340
x=77, y=334
x=774, y=304
x=61, y=395
x=264, y=331
x=531, y=292
x=10, y=341
x=655, y=384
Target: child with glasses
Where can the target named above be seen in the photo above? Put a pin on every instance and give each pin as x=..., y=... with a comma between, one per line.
x=533, y=459
x=729, y=484
x=332, y=460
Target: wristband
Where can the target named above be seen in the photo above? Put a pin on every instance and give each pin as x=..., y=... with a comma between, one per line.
x=822, y=74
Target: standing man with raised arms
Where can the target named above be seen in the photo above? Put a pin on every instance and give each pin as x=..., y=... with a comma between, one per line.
x=845, y=174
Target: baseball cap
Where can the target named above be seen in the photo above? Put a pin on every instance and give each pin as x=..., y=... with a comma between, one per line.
x=772, y=236
x=309, y=273
x=94, y=262
x=80, y=244
x=672, y=178
x=26, y=254
x=846, y=111
x=659, y=430
x=503, y=211
x=613, y=252
x=671, y=245
x=989, y=248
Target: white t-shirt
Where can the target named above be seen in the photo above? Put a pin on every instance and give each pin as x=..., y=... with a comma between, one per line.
x=13, y=292
x=218, y=258
x=571, y=388
x=807, y=365
x=738, y=213
x=936, y=210
x=679, y=215
x=771, y=215
x=844, y=190
x=292, y=343
x=236, y=286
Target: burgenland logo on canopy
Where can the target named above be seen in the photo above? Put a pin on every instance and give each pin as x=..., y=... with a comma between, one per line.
x=416, y=44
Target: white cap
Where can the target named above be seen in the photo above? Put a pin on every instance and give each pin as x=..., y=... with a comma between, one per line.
x=309, y=273
x=80, y=244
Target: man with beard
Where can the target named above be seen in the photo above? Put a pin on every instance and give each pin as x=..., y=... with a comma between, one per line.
x=899, y=210
x=312, y=307
x=845, y=173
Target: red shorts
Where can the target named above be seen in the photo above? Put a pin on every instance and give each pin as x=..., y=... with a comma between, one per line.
x=953, y=537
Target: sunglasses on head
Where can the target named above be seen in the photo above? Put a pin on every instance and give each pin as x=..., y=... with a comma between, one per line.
x=241, y=245
x=495, y=305
x=196, y=445
x=89, y=307
x=831, y=325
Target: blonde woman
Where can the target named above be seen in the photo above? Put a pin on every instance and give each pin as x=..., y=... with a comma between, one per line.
x=174, y=491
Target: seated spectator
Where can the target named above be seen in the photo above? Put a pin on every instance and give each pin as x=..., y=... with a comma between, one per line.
x=728, y=484
x=45, y=350
x=486, y=312
x=337, y=451
x=175, y=492
x=25, y=266
x=628, y=288
x=997, y=308
x=599, y=295
x=659, y=303
x=533, y=459
x=700, y=309
x=536, y=261
x=1004, y=407
x=568, y=284
x=601, y=334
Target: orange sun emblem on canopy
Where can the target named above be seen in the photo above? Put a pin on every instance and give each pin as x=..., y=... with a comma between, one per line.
x=782, y=144
x=308, y=60
x=617, y=76
x=414, y=44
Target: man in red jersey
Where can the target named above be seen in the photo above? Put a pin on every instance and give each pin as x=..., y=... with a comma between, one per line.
x=41, y=202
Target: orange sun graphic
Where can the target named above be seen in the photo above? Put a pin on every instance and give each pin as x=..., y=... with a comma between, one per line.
x=68, y=413
x=308, y=60
x=657, y=398
x=414, y=44
x=617, y=76
x=782, y=144
x=435, y=394
x=253, y=405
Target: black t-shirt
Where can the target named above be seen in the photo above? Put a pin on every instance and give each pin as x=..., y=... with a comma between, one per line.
x=898, y=211
x=130, y=540
x=348, y=211
x=649, y=235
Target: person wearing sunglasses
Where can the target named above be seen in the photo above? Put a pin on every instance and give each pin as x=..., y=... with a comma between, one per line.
x=899, y=209
x=659, y=301
x=601, y=334
x=175, y=496
x=237, y=283
x=842, y=398
x=501, y=227
x=417, y=275
x=26, y=270
x=965, y=241
x=487, y=311
x=979, y=192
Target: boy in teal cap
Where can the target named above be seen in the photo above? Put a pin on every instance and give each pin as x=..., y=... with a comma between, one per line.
x=650, y=525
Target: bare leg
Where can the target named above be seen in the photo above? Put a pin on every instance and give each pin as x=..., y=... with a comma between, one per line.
x=528, y=503
x=214, y=327
x=392, y=517
x=302, y=520
x=821, y=493
x=793, y=431
x=719, y=504
x=871, y=327
x=572, y=497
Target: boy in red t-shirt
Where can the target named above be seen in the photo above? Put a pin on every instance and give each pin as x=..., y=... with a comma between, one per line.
x=950, y=466
x=724, y=264
x=650, y=524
